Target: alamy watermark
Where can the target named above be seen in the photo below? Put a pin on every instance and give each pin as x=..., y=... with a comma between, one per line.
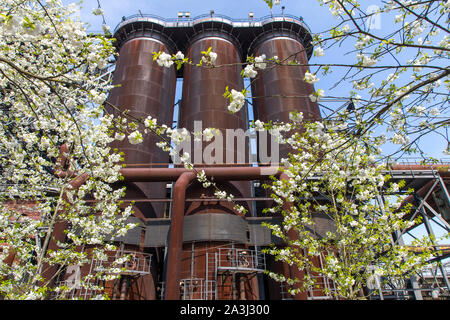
x=227, y=146
x=374, y=17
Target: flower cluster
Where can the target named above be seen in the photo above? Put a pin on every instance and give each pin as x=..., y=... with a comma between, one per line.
x=310, y=77
x=237, y=99
x=209, y=57
x=254, y=63
x=164, y=60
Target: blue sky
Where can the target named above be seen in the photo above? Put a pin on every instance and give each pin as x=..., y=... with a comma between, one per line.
x=115, y=9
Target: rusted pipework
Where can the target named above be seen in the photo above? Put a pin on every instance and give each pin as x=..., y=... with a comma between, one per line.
x=441, y=168
x=172, y=290
x=172, y=174
x=293, y=272
x=183, y=178
x=151, y=174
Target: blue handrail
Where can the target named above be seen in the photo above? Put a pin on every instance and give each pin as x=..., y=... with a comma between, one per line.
x=220, y=16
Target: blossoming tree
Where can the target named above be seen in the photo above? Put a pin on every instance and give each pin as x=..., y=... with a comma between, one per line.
x=400, y=88
x=54, y=148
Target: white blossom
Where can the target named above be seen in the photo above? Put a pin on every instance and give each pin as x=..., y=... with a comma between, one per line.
x=316, y=96
x=208, y=134
x=135, y=137
x=259, y=62
x=237, y=101
x=434, y=111
x=318, y=52
x=98, y=11
x=164, y=60
x=249, y=71
x=150, y=122
x=296, y=116
x=119, y=136
x=106, y=29
x=210, y=58
x=399, y=139
x=179, y=55
x=310, y=77
x=259, y=125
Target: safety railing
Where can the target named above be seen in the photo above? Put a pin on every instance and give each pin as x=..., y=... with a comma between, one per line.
x=243, y=260
x=197, y=289
x=124, y=262
x=75, y=291
x=215, y=17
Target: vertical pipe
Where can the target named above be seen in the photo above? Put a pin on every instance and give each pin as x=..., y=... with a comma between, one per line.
x=242, y=287
x=124, y=287
x=172, y=291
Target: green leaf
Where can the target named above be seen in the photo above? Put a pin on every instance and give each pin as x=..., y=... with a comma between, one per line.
x=269, y=3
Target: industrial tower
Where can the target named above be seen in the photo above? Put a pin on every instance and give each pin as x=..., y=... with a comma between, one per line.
x=220, y=255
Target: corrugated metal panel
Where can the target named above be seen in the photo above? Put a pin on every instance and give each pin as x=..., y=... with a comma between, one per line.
x=323, y=224
x=156, y=232
x=214, y=226
x=261, y=235
x=211, y=226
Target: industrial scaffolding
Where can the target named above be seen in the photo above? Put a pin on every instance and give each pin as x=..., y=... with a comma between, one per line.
x=223, y=262
x=134, y=264
x=430, y=200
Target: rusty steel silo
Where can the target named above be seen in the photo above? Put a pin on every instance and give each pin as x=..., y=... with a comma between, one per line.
x=213, y=224
x=203, y=100
x=279, y=90
x=144, y=89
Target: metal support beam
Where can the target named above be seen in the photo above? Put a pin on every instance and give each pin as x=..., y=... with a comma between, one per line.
x=431, y=233
x=446, y=225
x=444, y=189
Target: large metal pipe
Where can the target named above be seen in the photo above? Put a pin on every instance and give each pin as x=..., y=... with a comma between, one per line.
x=441, y=168
x=172, y=174
x=292, y=271
x=173, y=262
